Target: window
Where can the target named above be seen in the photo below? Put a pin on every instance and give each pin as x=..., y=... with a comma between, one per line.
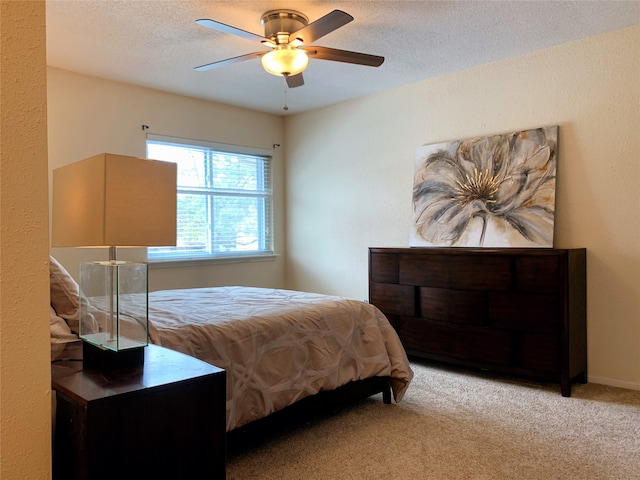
x=224, y=199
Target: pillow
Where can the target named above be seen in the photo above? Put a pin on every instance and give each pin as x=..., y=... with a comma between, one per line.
x=66, y=299
x=60, y=331
x=64, y=294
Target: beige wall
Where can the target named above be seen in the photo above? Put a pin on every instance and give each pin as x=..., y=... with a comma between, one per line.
x=25, y=401
x=88, y=116
x=350, y=167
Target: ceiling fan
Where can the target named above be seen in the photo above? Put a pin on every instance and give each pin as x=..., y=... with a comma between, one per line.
x=287, y=33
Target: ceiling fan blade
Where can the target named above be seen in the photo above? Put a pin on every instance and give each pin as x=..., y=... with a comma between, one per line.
x=321, y=27
x=324, y=53
x=229, y=61
x=294, y=81
x=223, y=27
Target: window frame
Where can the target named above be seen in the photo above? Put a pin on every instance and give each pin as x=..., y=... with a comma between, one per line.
x=267, y=253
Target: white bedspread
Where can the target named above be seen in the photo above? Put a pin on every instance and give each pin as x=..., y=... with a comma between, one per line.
x=278, y=346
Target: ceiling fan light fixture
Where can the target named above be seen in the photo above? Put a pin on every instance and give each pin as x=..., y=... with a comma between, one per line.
x=285, y=61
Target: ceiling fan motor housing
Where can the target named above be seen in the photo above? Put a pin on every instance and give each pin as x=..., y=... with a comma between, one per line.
x=282, y=22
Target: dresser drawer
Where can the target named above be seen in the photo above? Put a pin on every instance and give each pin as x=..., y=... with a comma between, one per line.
x=393, y=299
x=476, y=272
x=519, y=311
x=425, y=271
x=540, y=352
x=383, y=267
x=540, y=274
x=455, y=306
x=422, y=336
x=481, y=345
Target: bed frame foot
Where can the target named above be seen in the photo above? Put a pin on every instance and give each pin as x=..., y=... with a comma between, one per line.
x=386, y=392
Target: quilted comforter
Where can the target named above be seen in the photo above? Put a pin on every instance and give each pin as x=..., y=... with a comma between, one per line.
x=278, y=346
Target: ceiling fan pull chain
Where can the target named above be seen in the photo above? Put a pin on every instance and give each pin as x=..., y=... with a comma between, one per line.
x=285, y=108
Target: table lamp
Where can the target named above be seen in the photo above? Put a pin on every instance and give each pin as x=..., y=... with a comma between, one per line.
x=114, y=201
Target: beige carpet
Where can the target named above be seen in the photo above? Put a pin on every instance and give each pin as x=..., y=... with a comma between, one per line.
x=455, y=424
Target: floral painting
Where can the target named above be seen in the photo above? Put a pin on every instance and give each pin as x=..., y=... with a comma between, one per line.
x=496, y=191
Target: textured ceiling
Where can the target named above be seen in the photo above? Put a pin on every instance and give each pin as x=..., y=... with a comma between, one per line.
x=157, y=43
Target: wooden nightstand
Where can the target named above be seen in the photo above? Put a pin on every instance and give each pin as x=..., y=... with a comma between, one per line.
x=165, y=419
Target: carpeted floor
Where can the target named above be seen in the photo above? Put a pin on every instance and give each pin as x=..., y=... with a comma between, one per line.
x=458, y=424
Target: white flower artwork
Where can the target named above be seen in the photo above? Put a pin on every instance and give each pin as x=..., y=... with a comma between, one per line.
x=496, y=191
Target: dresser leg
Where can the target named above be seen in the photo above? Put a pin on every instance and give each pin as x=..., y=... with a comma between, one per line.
x=565, y=389
x=582, y=378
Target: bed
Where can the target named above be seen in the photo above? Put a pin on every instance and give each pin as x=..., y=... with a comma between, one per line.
x=278, y=347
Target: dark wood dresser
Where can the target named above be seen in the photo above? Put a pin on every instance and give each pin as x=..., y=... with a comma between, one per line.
x=515, y=311
x=165, y=419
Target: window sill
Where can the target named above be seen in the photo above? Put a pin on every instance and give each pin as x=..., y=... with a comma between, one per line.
x=199, y=262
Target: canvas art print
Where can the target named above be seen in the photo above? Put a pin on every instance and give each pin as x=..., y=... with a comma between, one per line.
x=496, y=191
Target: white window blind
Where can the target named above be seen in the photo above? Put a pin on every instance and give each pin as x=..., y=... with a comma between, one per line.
x=224, y=199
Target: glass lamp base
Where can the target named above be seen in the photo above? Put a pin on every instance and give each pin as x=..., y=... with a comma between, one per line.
x=114, y=305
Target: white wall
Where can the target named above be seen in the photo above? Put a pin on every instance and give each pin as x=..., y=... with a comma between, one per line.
x=88, y=116
x=350, y=168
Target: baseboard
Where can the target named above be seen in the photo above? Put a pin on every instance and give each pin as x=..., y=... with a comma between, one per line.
x=614, y=383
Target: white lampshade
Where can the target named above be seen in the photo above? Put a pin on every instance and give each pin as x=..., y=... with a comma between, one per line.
x=285, y=61
x=114, y=200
